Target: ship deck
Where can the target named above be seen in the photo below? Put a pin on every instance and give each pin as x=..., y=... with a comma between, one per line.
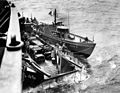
x=46, y=67
x=10, y=71
x=49, y=67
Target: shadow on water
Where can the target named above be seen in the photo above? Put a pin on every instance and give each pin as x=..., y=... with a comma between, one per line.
x=31, y=80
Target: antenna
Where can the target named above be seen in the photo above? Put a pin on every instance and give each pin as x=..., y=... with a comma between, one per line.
x=68, y=20
x=93, y=38
x=22, y=14
x=31, y=16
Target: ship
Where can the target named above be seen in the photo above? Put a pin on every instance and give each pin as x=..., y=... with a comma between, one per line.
x=5, y=12
x=44, y=62
x=57, y=32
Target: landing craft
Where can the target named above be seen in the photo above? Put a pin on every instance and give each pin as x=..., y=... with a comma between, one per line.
x=39, y=65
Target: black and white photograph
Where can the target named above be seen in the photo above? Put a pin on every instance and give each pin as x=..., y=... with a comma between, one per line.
x=59, y=46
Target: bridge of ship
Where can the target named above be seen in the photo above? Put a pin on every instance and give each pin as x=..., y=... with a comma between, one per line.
x=62, y=32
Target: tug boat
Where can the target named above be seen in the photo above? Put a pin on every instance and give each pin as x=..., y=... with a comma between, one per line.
x=57, y=32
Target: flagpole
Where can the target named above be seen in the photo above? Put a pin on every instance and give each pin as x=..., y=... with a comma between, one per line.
x=31, y=15
x=68, y=16
x=68, y=20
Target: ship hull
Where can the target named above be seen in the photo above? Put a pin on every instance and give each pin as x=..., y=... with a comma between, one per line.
x=84, y=49
x=5, y=12
x=78, y=49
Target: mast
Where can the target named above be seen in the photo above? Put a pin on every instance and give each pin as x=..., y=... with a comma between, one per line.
x=31, y=16
x=55, y=16
x=22, y=14
x=68, y=20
